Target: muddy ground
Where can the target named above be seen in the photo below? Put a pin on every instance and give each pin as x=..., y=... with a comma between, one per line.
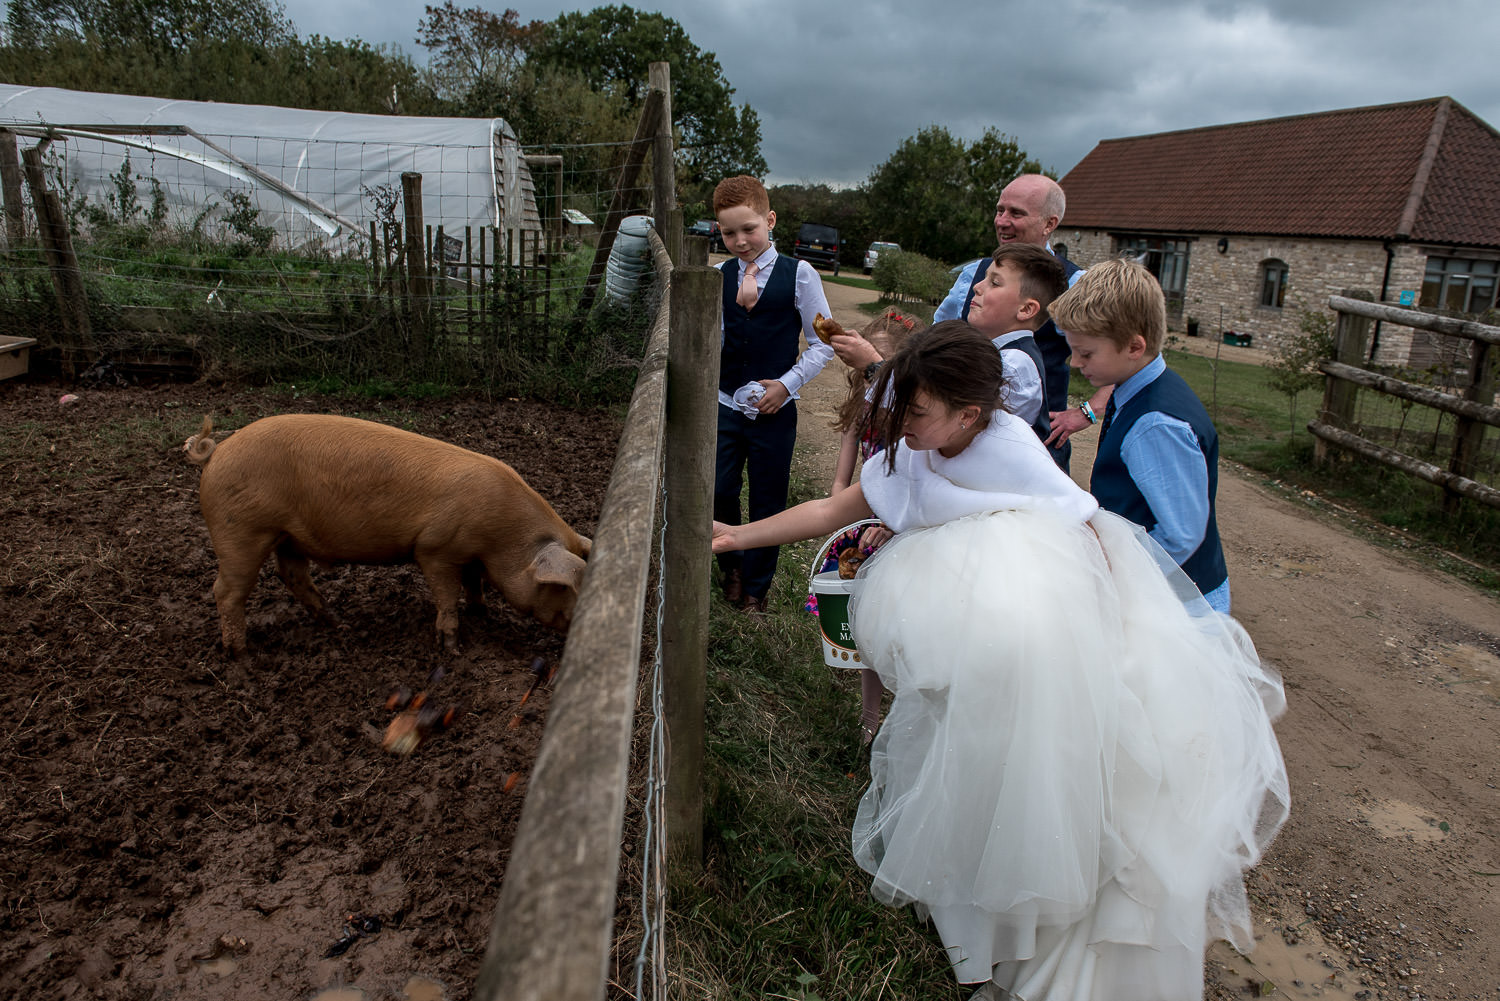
x=178, y=825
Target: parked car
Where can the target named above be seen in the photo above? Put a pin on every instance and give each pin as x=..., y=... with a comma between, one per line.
x=876, y=249
x=957, y=269
x=710, y=229
x=818, y=245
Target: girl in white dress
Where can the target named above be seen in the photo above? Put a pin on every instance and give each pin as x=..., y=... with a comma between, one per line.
x=1078, y=764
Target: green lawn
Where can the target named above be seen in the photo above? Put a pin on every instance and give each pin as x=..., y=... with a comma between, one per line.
x=781, y=909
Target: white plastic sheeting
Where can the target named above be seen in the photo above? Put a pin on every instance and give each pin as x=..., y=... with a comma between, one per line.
x=310, y=173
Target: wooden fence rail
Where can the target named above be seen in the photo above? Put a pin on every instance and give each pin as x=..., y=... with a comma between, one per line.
x=552, y=927
x=1474, y=410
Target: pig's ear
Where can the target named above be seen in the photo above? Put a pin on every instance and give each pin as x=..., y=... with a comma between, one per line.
x=555, y=565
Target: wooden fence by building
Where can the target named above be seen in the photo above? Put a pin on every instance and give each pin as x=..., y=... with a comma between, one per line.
x=1473, y=409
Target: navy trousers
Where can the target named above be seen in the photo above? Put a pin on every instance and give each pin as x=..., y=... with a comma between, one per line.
x=761, y=448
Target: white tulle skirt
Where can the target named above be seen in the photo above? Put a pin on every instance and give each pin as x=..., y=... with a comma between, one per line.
x=1078, y=764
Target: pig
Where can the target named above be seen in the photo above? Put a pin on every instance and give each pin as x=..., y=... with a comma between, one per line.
x=341, y=490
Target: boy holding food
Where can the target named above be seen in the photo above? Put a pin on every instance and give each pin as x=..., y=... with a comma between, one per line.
x=770, y=303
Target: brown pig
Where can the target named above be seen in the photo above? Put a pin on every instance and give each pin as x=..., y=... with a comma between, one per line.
x=341, y=490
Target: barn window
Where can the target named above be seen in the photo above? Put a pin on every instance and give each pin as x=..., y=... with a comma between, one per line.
x=1166, y=258
x=1273, y=277
x=1459, y=285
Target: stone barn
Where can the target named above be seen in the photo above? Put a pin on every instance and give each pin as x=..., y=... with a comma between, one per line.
x=1248, y=225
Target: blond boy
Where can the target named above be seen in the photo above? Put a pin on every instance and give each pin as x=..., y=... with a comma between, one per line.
x=1158, y=457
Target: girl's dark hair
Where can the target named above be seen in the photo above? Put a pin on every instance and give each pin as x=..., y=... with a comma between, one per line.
x=953, y=363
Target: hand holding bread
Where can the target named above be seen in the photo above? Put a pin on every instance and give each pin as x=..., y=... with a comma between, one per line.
x=826, y=327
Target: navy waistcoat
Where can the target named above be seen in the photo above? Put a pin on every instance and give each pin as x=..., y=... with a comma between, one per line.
x=1113, y=487
x=1027, y=345
x=760, y=343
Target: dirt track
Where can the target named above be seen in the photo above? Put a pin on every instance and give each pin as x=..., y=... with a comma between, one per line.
x=1385, y=883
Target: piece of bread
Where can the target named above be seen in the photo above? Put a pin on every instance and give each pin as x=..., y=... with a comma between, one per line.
x=825, y=327
x=849, y=561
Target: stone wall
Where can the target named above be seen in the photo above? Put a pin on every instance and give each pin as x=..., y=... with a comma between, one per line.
x=1228, y=284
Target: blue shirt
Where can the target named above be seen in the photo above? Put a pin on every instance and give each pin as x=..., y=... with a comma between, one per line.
x=1171, y=472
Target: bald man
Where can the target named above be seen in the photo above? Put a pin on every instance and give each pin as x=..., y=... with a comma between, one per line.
x=1029, y=209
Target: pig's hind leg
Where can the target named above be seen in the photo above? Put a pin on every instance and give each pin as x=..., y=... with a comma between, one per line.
x=239, y=569
x=292, y=568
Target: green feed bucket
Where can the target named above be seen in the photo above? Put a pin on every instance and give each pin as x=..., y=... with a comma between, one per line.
x=833, y=618
x=833, y=593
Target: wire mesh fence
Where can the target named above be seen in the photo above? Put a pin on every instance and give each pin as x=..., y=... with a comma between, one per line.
x=1443, y=363
x=1431, y=418
x=271, y=258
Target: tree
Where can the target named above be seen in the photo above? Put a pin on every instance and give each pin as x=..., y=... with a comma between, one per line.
x=164, y=26
x=1293, y=367
x=612, y=48
x=316, y=73
x=474, y=48
x=936, y=194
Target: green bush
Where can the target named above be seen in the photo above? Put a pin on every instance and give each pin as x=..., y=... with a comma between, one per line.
x=908, y=275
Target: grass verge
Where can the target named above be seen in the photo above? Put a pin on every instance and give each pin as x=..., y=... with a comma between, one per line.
x=780, y=909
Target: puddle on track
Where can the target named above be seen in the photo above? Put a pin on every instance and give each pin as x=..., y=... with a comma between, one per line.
x=1476, y=667
x=1391, y=818
x=1309, y=969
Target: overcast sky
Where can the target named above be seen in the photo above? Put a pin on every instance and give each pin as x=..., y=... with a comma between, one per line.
x=838, y=85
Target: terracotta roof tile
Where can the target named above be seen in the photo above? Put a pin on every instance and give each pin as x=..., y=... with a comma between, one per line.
x=1349, y=173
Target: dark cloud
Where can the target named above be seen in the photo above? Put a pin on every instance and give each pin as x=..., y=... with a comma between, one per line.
x=838, y=85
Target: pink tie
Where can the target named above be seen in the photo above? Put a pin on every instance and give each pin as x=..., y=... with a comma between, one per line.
x=749, y=292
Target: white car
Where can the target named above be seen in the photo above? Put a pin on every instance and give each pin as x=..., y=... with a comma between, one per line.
x=876, y=249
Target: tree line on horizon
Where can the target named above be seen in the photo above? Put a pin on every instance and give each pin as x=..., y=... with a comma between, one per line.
x=577, y=80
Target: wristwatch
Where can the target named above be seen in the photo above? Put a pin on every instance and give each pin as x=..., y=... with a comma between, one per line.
x=871, y=370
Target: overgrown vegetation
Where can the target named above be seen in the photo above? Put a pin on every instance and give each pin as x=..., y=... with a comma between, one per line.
x=218, y=296
x=1293, y=366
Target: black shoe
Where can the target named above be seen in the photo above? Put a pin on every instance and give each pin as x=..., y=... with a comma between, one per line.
x=753, y=605
x=734, y=587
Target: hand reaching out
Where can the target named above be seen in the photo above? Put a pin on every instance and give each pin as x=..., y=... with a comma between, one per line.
x=1065, y=424
x=723, y=538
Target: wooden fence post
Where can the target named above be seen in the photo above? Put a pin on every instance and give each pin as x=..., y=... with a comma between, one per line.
x=1468, y=433
x=417, y=297
x=692, y=405
x=10, y=185
x=635, y=156
x=57, y=247
x=664, y=168
x=1350, y=337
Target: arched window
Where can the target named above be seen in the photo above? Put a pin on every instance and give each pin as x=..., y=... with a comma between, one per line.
x=1273, y=277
